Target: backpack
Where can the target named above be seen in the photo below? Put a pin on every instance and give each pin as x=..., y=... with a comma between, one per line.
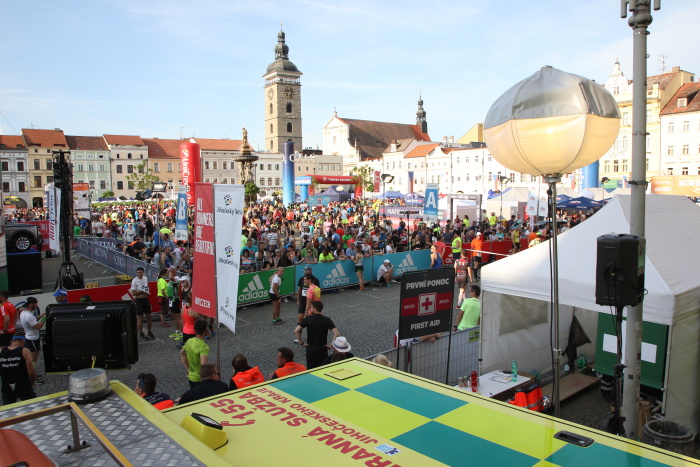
x=171, y=291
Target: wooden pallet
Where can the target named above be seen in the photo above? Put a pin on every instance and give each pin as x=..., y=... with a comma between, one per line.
x=570, y=385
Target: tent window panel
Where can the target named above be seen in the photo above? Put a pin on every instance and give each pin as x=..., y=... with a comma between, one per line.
x=521, y=314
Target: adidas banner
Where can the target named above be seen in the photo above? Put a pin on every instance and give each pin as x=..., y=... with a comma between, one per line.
x=407, y=261
x=228, y=219
x=254, y=287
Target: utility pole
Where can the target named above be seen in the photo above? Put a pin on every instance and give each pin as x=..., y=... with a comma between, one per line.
x=639, y=22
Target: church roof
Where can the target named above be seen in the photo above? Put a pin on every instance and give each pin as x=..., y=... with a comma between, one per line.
x=282, y=65
x=688, y=91
x=372, y=138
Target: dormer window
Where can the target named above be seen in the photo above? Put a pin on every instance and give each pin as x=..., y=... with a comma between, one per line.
x=682, y=102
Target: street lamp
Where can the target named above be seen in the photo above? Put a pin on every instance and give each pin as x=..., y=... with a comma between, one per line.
x=502, y=180
x=156, y=189
x=550, y=124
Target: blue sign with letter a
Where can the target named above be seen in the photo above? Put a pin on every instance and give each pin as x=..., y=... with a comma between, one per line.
x=430, y=203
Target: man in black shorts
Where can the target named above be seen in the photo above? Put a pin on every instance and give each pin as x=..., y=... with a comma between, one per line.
x=31, y=325
x=140, y=291
x=317, y=327
x=17, y=372
x=302, y=288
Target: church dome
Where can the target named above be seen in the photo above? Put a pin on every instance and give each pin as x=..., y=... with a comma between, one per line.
x=281, y=65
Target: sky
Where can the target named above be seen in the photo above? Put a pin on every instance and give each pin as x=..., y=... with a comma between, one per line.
x=171, y=69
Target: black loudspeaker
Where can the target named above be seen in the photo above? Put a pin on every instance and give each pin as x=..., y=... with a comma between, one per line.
x=24, y=271
x=620, y=270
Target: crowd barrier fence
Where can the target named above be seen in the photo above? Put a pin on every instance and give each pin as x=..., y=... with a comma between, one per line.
x=102, y=251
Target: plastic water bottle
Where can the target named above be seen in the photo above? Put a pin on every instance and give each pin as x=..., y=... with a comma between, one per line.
x=475, y=381
x=514, y=371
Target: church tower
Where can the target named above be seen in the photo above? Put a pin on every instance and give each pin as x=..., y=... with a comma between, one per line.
x=282, y=100
x=421, y=120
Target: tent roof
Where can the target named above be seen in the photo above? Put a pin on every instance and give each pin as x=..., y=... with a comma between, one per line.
x=673, y=287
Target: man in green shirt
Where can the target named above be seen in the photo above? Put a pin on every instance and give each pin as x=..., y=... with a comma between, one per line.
x=195, y=353
x=470, y=311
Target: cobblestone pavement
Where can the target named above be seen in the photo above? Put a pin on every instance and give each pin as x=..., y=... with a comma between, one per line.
x=368, y=319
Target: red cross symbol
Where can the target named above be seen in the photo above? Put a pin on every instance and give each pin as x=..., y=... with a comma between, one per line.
x=427, y=303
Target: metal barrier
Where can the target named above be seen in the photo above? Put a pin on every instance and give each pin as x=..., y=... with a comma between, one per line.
x=429, y=360
x=102, y=250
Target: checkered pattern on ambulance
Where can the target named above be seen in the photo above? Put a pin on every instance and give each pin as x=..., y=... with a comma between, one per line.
x=337, y=277
x=407, y=265
x=255, y=290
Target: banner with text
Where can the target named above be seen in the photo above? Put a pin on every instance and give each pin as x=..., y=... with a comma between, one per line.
x=254, y=287
x=228, y=218
x=204, y=256
x=426, y=302
x=430, y=203
x=181, y=231
x=54, y=202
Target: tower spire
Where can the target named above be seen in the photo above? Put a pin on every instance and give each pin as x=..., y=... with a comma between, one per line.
x=421, y=119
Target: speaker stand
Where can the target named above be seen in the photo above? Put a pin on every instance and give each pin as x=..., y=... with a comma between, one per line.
x=614, y=422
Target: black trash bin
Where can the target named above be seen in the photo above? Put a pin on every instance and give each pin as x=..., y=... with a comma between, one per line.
x=670, y=436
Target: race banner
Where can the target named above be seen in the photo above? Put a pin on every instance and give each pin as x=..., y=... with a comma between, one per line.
x=228, y=218
x=426, y=302
x=81, y=199
x=204, y=255
x=189, y=160
x=54, y=203
x=181, y=230
x=377, y=179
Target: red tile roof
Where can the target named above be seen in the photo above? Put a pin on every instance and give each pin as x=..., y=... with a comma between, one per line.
x=372, y=138
x=422, y=150
x=90, y=143
x=219, y=144
x=124, y=140
x=688, y=91
x=163, y=148
x=12, y=141
x=44, y=138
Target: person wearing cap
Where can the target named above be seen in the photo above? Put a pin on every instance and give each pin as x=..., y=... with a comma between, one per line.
x=385, y=273
x=477, y=247
x=8, y=314
x=285, y=364
x=302, y=291
x=341, y=351
x=31, y=325
x=61, y=296
x=17, y=372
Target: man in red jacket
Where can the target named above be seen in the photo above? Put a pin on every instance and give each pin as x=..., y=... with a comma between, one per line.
x=243, y=374
x=286, y=364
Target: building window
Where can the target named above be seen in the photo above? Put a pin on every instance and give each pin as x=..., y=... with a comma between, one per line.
x=120, y=185
x=90, y=156
x=262, y=181
x=224, y=181
x=616, y=165
x=170, y=166
x=130, y=185
x=92, y=184
x=490, y=158
x=49, y=164
x=224, y=164
x=682, y=102
x=671, y=127
x=686, y=125
x=20, y=166
x=270, y=127
x=156, y=167
x=102, y=167
x=5, y=166
x=216, y=180
x=270, y=111
x=625, y=118
x=213, y=165
x=476, y=159
x=269, y=166
x=22, y=186
x=37, y=164
x=80, y=167
x=669, y=152
x=616, y=90
x=128, y=156
x=289, y=107
x=684, y=170
x=289, y=127
x=647, y=164
x=6, y=187
x=686, y=149
x=277, y=181
x=624, y=142
x=206, y=165
x=262, y=166
x=466, y=177
x=277, y=166
x=103, y=185
x=91, y=167
x=606, y=167
x=269, y=181
x=624, y=165
x=272, y=143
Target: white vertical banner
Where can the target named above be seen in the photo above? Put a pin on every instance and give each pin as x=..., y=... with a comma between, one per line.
x=54, y=199
x=181, y=230
x=536, y=200
x=228, y=219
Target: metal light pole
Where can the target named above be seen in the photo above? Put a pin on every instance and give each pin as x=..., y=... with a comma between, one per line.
x=639, y=22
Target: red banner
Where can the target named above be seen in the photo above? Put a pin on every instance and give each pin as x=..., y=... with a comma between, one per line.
x=377, y=179
x=204, y=285
x=115, y=292
x=43, y=230
x=189, y=158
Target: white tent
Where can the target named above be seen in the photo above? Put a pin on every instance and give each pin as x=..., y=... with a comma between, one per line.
x=516, y=292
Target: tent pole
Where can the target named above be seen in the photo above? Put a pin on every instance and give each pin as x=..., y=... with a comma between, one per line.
x=552, y=180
